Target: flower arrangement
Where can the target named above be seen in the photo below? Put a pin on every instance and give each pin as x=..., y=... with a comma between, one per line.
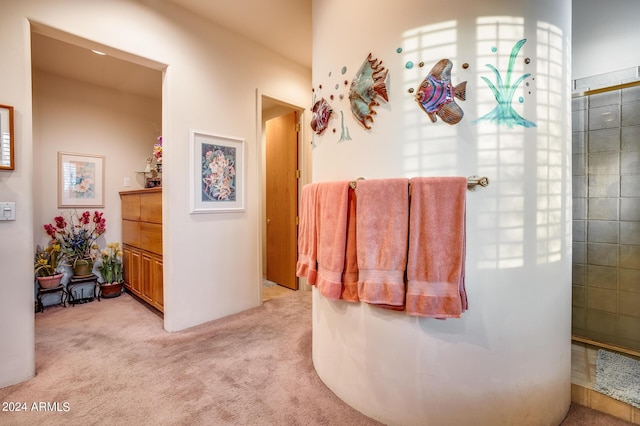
x=111, y=267
x=46, y=260
x=76, y=235
x=218, y=174
x=157, y=150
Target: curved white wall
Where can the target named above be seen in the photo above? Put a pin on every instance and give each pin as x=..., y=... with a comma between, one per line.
x=507, y=361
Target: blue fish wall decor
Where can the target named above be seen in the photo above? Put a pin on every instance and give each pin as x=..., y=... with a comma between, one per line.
x=436, y=95
x=368, y=84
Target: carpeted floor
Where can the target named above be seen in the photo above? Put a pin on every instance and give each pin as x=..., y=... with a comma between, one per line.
x=111, y=363
x=579, y=415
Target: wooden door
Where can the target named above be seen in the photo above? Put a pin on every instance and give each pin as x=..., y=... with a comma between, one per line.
x=282, y=199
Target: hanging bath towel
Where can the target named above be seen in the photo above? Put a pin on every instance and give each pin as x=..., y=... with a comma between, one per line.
x=382, y=212
x=333, y=208
x=350, y=274
x=306, y=266
x=435, y=265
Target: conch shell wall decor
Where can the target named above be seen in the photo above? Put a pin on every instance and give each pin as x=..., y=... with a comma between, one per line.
x=368, y=84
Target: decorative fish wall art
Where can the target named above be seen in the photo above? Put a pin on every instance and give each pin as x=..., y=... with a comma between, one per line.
x=367, y=86
x=320, y=115
x=436, y=94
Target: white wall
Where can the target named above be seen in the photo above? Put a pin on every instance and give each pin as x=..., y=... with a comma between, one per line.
x=605, y=36
x=507, y=360
x=211, y=261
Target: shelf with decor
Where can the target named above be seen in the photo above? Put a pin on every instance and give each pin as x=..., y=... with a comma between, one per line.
x=152, y=179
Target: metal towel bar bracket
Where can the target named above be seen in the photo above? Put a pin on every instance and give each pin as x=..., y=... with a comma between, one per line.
x=474, y=181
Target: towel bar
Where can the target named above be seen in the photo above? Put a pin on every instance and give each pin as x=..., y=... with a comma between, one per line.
x=472, y=182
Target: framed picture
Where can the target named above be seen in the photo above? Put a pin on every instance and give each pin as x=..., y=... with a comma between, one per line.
x=6, y=138
x=80, y=180
x=217, y=164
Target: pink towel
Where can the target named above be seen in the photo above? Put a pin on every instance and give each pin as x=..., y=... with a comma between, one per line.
x=435, y=267
x=350, y=274
x=333, y=208
x=306, y=266
x=382, y=231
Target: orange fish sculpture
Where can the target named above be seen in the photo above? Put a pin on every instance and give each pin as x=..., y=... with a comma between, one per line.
x=436, y=94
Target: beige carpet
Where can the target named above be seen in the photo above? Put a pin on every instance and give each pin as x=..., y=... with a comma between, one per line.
x=111, y=363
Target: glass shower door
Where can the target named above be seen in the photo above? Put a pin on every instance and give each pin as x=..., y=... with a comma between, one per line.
x=606, y=216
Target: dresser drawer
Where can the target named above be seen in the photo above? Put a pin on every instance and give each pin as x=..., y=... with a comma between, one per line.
x=151, y=207
x=131, y=233
x=151, y=237
x=130, y=206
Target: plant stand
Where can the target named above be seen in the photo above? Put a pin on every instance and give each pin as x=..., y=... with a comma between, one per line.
x=42, y=291
x=92, y=294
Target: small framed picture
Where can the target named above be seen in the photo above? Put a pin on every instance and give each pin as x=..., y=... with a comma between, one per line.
x=217, y=173
x=80, y=180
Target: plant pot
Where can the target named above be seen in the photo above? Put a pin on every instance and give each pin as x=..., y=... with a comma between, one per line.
x=110, y=290
x=82, y=268
x=52, y=281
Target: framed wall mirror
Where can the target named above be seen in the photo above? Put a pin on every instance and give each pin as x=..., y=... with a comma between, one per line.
x=6, y=138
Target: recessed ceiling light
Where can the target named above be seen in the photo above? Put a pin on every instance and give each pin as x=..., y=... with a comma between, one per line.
x=97, y=52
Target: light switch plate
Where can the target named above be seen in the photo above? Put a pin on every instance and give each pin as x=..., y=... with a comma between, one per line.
x=7, y=211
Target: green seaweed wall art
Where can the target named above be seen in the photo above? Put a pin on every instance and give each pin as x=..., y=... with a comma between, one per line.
x=503, y=90
x=344, y=134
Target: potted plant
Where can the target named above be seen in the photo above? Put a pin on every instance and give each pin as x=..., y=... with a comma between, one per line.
x=45, y=266
x=111, y=271
x=77, y=234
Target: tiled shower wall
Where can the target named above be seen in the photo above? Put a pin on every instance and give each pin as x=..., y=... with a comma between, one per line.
x=606, y=217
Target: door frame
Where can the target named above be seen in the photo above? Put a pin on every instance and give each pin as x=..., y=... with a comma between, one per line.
x=264, y=105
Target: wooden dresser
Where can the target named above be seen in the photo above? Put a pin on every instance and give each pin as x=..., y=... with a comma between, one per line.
x=142, y=244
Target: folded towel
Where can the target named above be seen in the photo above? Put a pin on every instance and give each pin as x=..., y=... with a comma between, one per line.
x=382, y=207
x=306, y=266
x=435, y=265
x=333, y=207
x=350, y=273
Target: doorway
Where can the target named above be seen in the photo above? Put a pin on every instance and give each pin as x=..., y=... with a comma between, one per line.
x=122, y=119
x=282, y=199
x=281, y=127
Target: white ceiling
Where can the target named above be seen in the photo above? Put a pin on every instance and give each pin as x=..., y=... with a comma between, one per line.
x=283, y=26
x=78, y=63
